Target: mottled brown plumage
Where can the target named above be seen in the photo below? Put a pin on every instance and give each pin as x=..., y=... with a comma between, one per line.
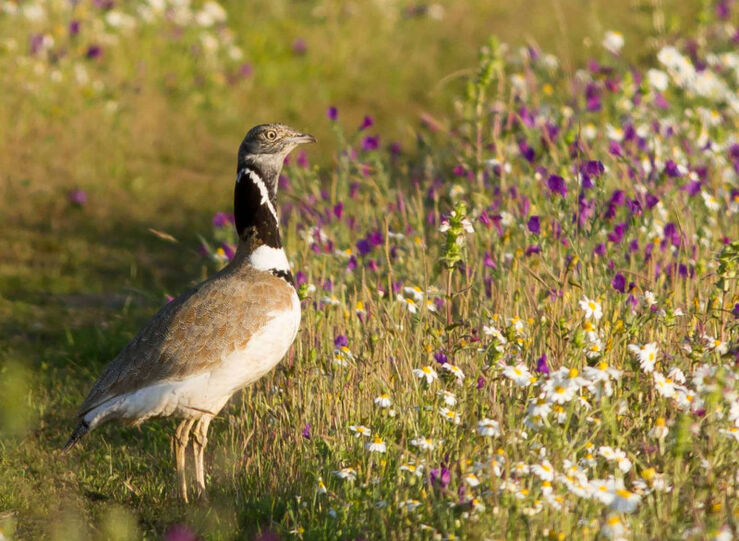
x=194, y=332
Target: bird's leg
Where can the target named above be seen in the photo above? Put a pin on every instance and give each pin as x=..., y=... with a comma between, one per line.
x=181, y=437
x=200, y=440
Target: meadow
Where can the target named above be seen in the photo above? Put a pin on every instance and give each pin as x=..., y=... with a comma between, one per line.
x=516, y=245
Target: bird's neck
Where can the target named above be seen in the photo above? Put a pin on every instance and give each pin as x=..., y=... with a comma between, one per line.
x=257, y=224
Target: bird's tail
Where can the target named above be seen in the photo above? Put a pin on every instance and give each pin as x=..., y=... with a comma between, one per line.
x=82, y=429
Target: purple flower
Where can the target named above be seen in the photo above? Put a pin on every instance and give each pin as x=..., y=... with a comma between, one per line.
x=660, y=101
x=299, y=46
x=395, y=148
x=338, y=210
x=534, y=225
x=488, y=261
x=459, y=170
x=228, y=251
x=306, y=431
x=93, y=52
x=246, y=70
x=593, y=168
x=692, y=188
x=533, y=249
x=600, y=249
x=74, y=27
x=332, y=113
x=617, y=234
x=341, y=341
x=593, y=104
x=221, y=219
x=302, y=159
x=440, y=357
x=735, y=311
x=179, y=532
x=541, y=365
x=557, y=184
x=441, y=476
x=619, y=283
x=367, y=122
x=363, y=246
x=671, y=169
x=370, y=143
x=614, y=148
x=526, y=151
x=481, y=380
x=77, y=197
x=300, y=278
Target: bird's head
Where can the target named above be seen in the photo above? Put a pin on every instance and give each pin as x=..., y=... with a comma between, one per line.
x=267, y=145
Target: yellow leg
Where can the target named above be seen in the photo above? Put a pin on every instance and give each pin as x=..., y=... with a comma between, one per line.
x=200, y=440
x=181, y=437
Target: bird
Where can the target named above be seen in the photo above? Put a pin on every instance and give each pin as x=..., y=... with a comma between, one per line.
x=221, y=335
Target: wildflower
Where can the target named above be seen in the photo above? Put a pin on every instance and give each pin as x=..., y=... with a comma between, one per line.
x=455, y=371
x=665, y=386
x=321, y=486
x=613, y=42
x=591, y=308
x=716, y=344
x=450, y=415
x=410, y=304
x=731, y=432
x=347, y=474
x=543, y=471
x=360, y=430
x=412, y=467
x=659, y=430
x=426, y=373
x=471, y=479
x=425, y=444
x=332, y=113
x=77, y=197
x=383, y=401
x=377, y=445
x=614, y=528
x=658, y=79
x=409, y=505
x=646, y=354
x=519, y=374
x=624, y=501
x=449, y=398
x=488, y=427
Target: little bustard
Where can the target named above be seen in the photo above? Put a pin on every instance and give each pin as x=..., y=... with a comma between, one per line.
x=221, y=335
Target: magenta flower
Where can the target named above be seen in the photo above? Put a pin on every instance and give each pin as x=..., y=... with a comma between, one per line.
x=480, y=383
x=370, y=143
x=332, y=113
x=440, y=357
x=341, y=341
x=306, y=431
x=367, y=122
x=246, y=70
x=299, y=46
x=488, y=261
x=526, y=151
x=221, y=219
x=735, y=311
x=180, y=532
x=77, y=197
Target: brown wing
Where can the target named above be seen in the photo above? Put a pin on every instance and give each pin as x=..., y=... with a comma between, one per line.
x=193, y=332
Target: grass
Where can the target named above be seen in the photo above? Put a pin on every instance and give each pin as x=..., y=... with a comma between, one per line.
x=151, y=136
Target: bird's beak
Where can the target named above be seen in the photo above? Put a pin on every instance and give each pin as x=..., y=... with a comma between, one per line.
x=302, y=138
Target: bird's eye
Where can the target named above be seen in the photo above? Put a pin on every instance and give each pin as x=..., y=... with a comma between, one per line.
x=271, y=135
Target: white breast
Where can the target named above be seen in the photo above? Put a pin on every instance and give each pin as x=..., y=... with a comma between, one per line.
x=209, y=391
